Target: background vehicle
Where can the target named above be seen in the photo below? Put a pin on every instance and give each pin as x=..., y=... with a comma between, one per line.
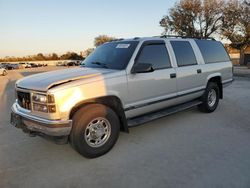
x=3, y=71
x=15, y=66
x=33, y=65
x=25, y=65
x=59, y=64
x=71, y=63
x=123, y=83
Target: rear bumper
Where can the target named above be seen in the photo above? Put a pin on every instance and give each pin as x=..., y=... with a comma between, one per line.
x=35, y=124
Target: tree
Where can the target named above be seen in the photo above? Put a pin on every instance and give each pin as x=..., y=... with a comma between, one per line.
x=87, y=52
x=236, y=24
x=101, y=39
x=40, y=57
x=54, y=56
x=71, y=56
x=195, y=18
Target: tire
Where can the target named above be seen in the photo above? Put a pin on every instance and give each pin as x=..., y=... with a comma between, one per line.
x=95, y=130
x=210, y=98
x=5, y=73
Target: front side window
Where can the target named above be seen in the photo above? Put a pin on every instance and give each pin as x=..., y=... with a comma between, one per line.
x=184, y=53
x=112, y=55
x=155, y=54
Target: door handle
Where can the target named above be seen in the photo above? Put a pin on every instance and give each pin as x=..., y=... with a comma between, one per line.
x=199, y=71
x=173, y=75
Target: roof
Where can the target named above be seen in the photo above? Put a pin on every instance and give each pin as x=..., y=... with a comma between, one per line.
x=163, y=37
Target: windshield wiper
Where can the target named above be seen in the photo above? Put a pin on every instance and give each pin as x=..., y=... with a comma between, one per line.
x=103, y=65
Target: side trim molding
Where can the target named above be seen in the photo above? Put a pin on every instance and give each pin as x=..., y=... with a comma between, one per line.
x=161, y=100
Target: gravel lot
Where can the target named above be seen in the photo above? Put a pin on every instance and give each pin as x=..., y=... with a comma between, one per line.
x=187, y=149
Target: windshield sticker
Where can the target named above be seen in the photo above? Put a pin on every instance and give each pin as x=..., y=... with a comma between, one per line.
x=122, y=45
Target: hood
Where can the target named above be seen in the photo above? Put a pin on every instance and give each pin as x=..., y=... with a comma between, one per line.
x=47, y=80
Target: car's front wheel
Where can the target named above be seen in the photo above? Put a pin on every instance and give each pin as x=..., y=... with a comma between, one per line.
x=95, y=130
x=210, y=98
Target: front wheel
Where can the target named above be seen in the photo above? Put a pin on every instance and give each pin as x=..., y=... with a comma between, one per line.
x=95, y=130
x=210, y=98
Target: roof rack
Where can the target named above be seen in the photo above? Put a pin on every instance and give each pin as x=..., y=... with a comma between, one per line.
x=185, y=37
x=114, y=40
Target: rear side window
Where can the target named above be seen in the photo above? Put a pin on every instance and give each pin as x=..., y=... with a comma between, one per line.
x=212, y=51
x=184, y=53
x=155, y=54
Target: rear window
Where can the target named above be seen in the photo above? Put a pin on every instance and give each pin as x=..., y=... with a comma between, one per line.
x=212, y=51
x=184, y=53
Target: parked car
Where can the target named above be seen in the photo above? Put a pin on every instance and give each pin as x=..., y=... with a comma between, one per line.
x=16, y=66
x=7, y=66
x=33, y=65
x=59, y=63
x=11, y=66
x=122, y=84
x=3, y=71
x=70, y=64
x=25, y=65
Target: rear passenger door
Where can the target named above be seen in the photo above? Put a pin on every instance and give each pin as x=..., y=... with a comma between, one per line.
x=188, y=70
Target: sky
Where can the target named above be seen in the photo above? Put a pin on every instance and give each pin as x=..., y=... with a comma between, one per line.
x=28, y=27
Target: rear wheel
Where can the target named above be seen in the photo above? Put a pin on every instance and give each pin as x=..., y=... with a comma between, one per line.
x=210, y=98
x=95, y=130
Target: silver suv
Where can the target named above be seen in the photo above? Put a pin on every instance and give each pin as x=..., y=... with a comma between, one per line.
x=121, y=84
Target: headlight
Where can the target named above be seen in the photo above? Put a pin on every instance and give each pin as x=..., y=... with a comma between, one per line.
x=40, y=98
x=43, y=98
x=44, y=108
x=43, y=103
x=40, y=107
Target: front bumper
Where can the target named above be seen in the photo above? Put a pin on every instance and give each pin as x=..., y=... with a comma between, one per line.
x=38, y=125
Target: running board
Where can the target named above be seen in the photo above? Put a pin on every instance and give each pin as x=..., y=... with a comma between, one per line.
x=161, y=113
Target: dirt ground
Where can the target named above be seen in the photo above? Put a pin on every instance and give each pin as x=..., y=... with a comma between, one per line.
x=187, y=149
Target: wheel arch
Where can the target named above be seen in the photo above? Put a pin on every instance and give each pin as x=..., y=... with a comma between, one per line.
x=111, y=101
x=218, y=80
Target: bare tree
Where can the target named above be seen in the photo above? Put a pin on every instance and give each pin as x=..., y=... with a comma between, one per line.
x=101, y=39
x=236, y=24
x=196, y=18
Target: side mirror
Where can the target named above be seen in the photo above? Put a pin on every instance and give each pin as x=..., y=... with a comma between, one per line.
x=142, y=68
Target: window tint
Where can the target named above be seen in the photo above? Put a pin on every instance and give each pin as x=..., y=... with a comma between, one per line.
x=112, y=55
x=184, y=53
x=155, y=54
x=212, y=51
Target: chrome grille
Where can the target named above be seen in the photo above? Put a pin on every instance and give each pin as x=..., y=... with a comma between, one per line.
x=24, y=100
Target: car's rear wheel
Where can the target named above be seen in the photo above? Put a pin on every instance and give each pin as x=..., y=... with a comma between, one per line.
x=210, y=98
x=95, y=130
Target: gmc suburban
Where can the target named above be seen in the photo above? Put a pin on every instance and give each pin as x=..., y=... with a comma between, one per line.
x=121, y=84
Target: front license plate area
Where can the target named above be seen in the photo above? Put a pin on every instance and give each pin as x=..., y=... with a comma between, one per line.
x=16, y=120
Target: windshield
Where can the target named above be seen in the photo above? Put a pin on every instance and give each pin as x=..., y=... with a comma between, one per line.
x=113, y=55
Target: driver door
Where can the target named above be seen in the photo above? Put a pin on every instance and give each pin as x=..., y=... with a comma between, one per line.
x=150, y=91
